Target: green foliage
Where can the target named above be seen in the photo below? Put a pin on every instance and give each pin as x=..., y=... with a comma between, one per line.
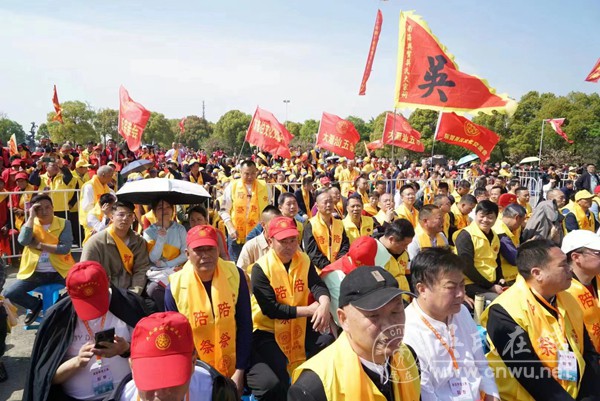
x=231, y=129
x=10, y=127
x=363, y=128
x=107, y=124
x=78, y=118
x=309, y=130
x=293, y=128
x=42, y=132
x=159, y=131
x=196, y=130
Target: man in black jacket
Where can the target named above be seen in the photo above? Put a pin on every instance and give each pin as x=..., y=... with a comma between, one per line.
x=65, y=357
x=588, y=180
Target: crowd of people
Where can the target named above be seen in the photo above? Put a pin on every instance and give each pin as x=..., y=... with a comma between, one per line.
x=310, y=278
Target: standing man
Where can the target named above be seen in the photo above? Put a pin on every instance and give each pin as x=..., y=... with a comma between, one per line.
x=523, y=199
x=347, y=177
x=282, y=281
x=508, y=230
x=243, y=201
x=324, y=237
x=588, y=180
x=580, y=217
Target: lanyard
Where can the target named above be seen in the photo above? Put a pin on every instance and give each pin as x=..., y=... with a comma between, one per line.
x=187, y=396
x=442, y=341
x=91, y=333
x=560, y=318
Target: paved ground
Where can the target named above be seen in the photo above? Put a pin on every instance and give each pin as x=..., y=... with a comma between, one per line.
x=16, y=358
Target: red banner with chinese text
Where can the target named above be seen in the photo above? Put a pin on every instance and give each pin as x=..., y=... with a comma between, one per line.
x=268, y=134
x=57, y=108
x=377, y=144
x=594, y=76
x=556, y=124
x=371, y=56
x=427, y=76
x=182, y=125
x=337, y=135
x=398, y=132
x=457, y=130
x=133, y=118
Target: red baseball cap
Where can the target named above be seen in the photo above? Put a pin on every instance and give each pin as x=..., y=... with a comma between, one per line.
x=362, y=252
x=16, y=163
x=202, y=236
x=87, y=285
x=21, y=175
x=282, y=227
x=325, y=180
x=162, y=346
x=506, y=199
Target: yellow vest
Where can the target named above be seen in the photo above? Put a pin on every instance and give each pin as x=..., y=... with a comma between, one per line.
x=544, y=333
x=366, y=227
x=411, y=215
x=425, y=241
x=590, y=307
x=60, y=200
x=31, y=256
x=509, y=272
x=344, y=379
x=399, y=268
x=329, y=243
x=485, y=255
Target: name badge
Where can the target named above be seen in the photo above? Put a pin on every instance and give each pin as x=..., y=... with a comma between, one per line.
x=567, y=366
x=102, y=379
x=460, y=389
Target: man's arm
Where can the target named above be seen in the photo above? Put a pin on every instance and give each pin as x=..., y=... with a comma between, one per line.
x=464, y=248
x=141, y=264
x=571, y=222
x=265, y=296
x=345, y=246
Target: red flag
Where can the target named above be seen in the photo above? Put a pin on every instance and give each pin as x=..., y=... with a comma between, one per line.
x=398, y=132
x=427, y=76
x=337, y=135
x=132, y=120
x=269, y=134
x=594, y=76
x=181, y=125
x=556, y=124
x=377, y=144
x=457, y=130
x=371, y=56
x=12, y=145
x=57, y=108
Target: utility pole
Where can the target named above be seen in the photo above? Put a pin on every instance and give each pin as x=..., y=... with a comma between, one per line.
x=286, y=101
x=203, y=111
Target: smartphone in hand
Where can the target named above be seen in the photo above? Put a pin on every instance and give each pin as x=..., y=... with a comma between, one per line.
x=107, y=335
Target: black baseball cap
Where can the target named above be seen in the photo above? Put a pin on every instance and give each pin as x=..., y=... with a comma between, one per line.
x=368, y=288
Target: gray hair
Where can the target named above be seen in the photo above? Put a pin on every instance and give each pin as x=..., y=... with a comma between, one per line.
x=514, y=210
x=105, y=170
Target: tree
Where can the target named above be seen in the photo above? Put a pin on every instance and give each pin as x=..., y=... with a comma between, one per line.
x=10, y=127
x=309, y=130
x=107, y=124
x=363, y=128
x=293, y=128
x=232, y=127
x=196, y=130
x=159, y=131
x=78, y=118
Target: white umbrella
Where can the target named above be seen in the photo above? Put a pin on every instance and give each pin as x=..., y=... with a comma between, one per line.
x=530, y=159
x=136, y=166
x=176, y=192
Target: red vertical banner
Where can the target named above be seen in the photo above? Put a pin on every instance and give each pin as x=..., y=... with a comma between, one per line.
x=337, y=135
x=57, y=108
x=133, y=118
x=268, y=134
x=371, y=56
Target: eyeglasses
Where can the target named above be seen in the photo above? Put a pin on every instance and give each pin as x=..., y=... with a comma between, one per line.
x=592, y=252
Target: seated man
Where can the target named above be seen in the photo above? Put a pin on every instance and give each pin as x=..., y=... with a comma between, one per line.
x=508, y=230
x=99, y=217
x=356, y=224
x=580, y=217
x=429, y=231
x=213, y=294
x=257, y=247
x=46, y=259
x=537, y=327
x=282, y=281
x=121, y=251
x=386, y=213
x=460, y=211
x=368, y=361
x=66, y=363
x=407, y=210
x=391, y=250
x=443, y=334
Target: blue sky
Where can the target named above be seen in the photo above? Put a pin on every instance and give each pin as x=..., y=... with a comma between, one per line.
x=173, y=55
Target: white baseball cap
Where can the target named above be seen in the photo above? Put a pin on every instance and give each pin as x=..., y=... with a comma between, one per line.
x=577, y=239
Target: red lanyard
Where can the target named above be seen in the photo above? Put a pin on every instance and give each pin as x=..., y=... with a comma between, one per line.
x=91, y=333
x=442, y=341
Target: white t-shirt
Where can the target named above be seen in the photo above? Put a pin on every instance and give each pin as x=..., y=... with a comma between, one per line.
x=79, y=385
x=200, y=387
x=44, y=265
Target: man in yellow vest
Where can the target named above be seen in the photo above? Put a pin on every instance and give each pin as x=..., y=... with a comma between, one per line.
x=56, y=181
x=582, y=248
x=324, y=238
x=286, y=323
x=386, y=213
x=580, y=217
x=213, y=294
x=462, y=188
x=391, y=250
x=537, y=334
x=444, y=203
x=355, y=224
x=429, y=232
x=479, y=248
x=407, y=210
x=368, y=361
x=92, y=190
x=305, y=197
x=347, y=177
x=362, y=188
x=523, y=199
x=243, y=201
x=460, y=211
x=46, y=259
x=508, y=230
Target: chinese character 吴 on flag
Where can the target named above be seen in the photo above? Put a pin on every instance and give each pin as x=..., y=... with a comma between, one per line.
x=57, y=108
x=556, y=124
x=457, y=130
x=268, y=134
x=132, y=120
x=594, y=76
x=371, y=56
x=428, y=78
x=337, y=135
x=398, y=132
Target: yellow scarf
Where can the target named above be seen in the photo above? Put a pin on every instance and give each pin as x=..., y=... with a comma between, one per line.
x=96, y=211
x=425, y=241
x=124, y=252
x=411, y=214
x=370, y=209
x=545, y=334
x=306, y=199
x=169, y=252
x=213, y=323
x=247, y=207
x=339, y=208
x=585, y=222
x=47, y=237
x=446, y=228
x=460, y=220
x=198, y=180
x=590, y=307
x=509, y=272
x=329, y=243
x=344, y=378
x=291, y=288
x=353, y=232
x=175, y=156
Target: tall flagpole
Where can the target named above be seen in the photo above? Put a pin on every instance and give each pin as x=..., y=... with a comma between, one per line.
x=393, y=133
x=541, y=140
x=437, y=127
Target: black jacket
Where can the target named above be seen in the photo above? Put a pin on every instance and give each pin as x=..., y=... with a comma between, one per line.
x=56, y=334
